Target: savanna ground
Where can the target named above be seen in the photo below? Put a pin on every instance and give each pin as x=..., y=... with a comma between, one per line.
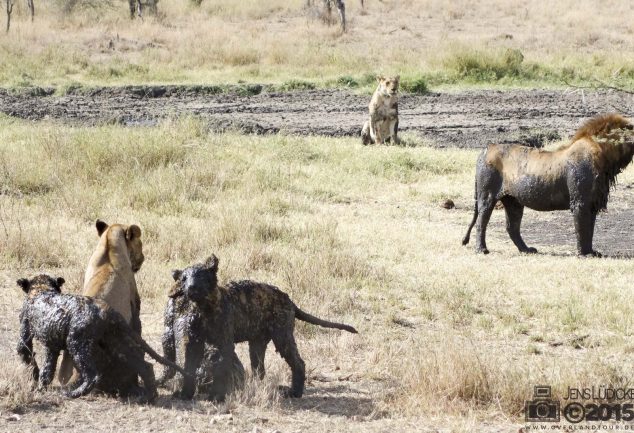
x=449, y=340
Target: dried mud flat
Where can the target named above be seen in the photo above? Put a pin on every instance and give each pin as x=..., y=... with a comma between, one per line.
x=468, y=119
x=553, y=233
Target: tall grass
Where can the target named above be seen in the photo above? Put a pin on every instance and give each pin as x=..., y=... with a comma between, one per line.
x=352, y=233
x=427, y=42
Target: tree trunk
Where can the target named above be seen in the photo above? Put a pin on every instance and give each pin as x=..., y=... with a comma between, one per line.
x=31, y=6
x=9, y=10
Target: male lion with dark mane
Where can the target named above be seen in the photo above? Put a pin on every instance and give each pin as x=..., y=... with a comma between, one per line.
x=577, y=176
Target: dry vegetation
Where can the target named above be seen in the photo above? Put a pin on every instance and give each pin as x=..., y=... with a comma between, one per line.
x=492, y=42
x=447, y=338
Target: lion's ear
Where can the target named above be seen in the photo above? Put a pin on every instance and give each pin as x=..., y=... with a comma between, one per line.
x=133, y=232
x=25, y=284
x=176, y=274
x=101, y=227
x=59, y=282
x=212, y=263
x=175, y=291
x=397, y=78
x=380, y=78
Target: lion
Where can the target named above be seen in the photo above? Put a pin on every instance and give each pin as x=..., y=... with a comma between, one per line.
x=180, y=314
x=383, y=122
x=575, y=177
x=224, y=315
x=101, y=343
x=110, y=277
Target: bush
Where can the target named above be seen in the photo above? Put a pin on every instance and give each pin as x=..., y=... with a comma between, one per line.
x=416, y=85
x=296, y=85
x=347, y=81
x=486, y=65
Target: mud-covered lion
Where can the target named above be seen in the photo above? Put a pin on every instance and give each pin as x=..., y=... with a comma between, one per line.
x=106, y=351
x=110, y=277
x=577, y=176
x=225, y=315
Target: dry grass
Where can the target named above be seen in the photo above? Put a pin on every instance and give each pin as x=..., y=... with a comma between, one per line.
x=353, y=233
x=279, y=41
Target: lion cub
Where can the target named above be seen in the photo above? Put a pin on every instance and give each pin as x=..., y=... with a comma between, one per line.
x=383, y=122
x=98, y=339
x=224, y=315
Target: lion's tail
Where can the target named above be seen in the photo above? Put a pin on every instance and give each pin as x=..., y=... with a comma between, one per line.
x=304, y=316
x=465, y=240
x=148, y=349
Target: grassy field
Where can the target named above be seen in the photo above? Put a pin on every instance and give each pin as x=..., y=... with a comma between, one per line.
x=436, y=43
x=447, y=338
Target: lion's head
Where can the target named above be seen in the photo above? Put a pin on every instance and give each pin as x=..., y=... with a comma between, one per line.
x=132, y=241
x=388, y=86
x=41, y=283
x=196, y=281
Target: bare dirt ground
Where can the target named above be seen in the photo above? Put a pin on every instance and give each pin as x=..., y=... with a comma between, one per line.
x=468, y=119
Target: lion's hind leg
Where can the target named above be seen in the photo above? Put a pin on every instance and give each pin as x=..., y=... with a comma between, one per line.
x=486, y=205
x=366, y=137
x=488, y=188
x=514, y=212
x=82, y=354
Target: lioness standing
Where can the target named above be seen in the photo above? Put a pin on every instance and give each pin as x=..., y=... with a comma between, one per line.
x=383, y=123
x=110, y=277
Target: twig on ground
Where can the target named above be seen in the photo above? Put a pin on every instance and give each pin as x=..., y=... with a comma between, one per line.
x=598, y=86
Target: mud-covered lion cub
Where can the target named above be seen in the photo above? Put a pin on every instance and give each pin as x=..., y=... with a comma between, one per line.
x=102, y=345
x=222, y=316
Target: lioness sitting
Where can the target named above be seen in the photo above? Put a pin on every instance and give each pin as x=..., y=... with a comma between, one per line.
x=577, y=176
x=102, y=345
x=383, y=122
x=110, y=277
x=222, y=316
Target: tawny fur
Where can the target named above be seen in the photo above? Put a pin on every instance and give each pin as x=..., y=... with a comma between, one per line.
x=110, y=277
x=383, y=122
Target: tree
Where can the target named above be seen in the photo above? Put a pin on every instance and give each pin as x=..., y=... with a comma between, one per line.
x=31, y=5
x=9, y=10
x=341, y=8
x=137, y=7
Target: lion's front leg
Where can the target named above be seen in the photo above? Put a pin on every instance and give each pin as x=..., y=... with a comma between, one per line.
x=584, y=228
x=394, y=131
x=168, y=341
x=25, y=348
x=375, y=130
